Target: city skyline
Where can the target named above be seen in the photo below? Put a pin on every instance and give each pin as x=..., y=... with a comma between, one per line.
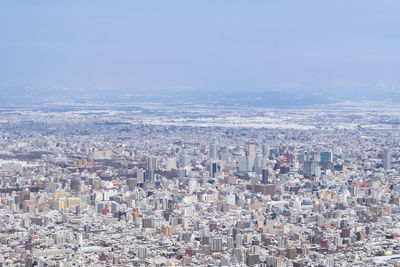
x=199, y=133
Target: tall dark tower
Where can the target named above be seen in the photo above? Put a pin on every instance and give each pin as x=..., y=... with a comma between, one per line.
x=265, y=175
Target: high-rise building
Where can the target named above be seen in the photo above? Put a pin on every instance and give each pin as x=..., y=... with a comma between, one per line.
x=387, y=158
x=229, y=243
x=246, y=164
x=288, y=158
x=151, y=167
x=326, y=157
x=213, y=168
x=265, y=150
x=142, y=252
x=99, y=207
x=140, y=176
x=150, y=176
x=114, y=207
x=274, y=262
x=151, y=163
x=259, y=164
x=252, y=259
x=238, y=240
x=251, y=149
x=213, y=150
x=216, y=244
x=264, y=178
x=310, y=167
x=24, y=195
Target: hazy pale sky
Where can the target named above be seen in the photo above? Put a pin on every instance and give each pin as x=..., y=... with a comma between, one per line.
x=202, y=45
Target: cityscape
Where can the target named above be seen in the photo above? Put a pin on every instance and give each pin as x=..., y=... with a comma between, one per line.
x=129, y=187
x=199, y=133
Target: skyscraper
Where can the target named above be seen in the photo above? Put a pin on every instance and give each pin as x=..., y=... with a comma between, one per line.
x=150, y=175
x=245, y=164
x=265, y=175
x=151, y=163
x=326, y=157
x=213, y=150
x=310, y=167
x=213, y=168
x=387, y=158
x=265, y=150
x=251, y=150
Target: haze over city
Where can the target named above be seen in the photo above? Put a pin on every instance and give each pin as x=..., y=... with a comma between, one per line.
x=335, y=50
x=199, y=133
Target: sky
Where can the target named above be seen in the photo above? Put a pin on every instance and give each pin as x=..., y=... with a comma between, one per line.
x=209, y=45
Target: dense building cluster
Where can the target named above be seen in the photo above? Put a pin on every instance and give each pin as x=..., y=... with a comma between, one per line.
x=134, y=188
